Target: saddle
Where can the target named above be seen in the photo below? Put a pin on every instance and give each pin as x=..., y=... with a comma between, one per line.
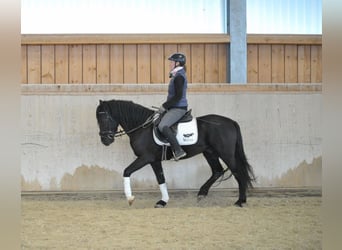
x=185, y=130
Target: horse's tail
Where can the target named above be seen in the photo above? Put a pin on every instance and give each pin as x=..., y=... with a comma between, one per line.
x=244, y=169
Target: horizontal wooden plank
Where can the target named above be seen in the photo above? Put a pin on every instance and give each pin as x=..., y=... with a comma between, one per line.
x=123, y=38
x=284, y=39
x=165, y=38
x=110, y=89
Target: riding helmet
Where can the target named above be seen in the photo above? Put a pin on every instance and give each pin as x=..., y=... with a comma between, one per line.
x=178, y=57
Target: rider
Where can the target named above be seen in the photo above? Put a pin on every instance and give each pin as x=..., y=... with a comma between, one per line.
x=176, y=103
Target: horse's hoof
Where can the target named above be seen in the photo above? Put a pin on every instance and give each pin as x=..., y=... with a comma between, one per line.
x=200, y=197
x=130, y=200
x=239, y=203
x=160, y=204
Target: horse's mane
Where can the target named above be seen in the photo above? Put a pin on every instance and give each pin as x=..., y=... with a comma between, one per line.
x=129, y=112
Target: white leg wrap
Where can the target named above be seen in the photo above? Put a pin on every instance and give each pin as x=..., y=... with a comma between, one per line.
x=163, y=190
x=127, y=186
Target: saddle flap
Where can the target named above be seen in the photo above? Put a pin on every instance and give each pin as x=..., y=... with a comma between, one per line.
x=187, y=134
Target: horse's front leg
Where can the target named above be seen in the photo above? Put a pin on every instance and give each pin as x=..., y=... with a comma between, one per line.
x=159, y=173
x=134, y=166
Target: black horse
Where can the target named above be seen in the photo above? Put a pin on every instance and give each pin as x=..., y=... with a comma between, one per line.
x=218, y=137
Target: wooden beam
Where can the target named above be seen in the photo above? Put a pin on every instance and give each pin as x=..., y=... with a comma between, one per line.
x=124, y=39
x=166, y=38
x=111, y=89
x=284, y=39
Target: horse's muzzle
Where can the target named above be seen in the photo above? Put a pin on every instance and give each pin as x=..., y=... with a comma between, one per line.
x=107, y=139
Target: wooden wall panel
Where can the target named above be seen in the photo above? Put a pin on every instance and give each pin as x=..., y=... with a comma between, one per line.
x=275, y=59
x=34, y=64
x=24, y=64
x=144, y=58
x=291, y=62
x=102, y=63
x=278, y=64
x=252, y=63
x=48, y=64
x=264, y=62
x=316, y=64
x=197, y=63
x=89, y=64
x=62, y=64
x=75, y=64
x=211, y=66
x=157, y=63
x=116, y=63
x=304, y=63
x=222, y=61
x=130, y=63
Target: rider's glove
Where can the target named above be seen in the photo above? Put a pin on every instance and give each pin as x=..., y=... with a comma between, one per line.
x=161, y=110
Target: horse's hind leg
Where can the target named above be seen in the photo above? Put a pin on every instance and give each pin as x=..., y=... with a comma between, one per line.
x=239, y=176
x=217, y=171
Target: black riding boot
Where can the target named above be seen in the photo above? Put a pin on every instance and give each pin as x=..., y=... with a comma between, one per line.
x=177, y=151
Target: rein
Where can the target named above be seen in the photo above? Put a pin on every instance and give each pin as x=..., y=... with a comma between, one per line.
x=149, y=121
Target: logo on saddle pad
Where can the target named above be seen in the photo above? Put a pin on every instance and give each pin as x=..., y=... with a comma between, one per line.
x=187, y=134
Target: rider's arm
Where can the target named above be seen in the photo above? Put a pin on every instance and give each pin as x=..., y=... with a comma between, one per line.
x=178, y=83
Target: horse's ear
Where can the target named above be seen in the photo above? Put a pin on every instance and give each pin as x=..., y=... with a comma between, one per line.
x=101, y=102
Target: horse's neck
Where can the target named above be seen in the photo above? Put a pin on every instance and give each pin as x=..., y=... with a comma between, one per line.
x=123, y=121
x=127, y=119
x=126, y=126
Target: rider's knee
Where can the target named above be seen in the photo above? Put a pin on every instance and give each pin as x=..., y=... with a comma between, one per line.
x=161, y=127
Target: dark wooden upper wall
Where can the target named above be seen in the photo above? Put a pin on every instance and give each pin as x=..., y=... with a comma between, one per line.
x=141, y=58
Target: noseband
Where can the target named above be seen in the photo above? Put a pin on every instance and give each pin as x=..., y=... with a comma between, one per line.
x=107, y=133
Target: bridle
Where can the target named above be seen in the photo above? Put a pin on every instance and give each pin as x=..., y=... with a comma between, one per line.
x=107, y=133
x=111, y=134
